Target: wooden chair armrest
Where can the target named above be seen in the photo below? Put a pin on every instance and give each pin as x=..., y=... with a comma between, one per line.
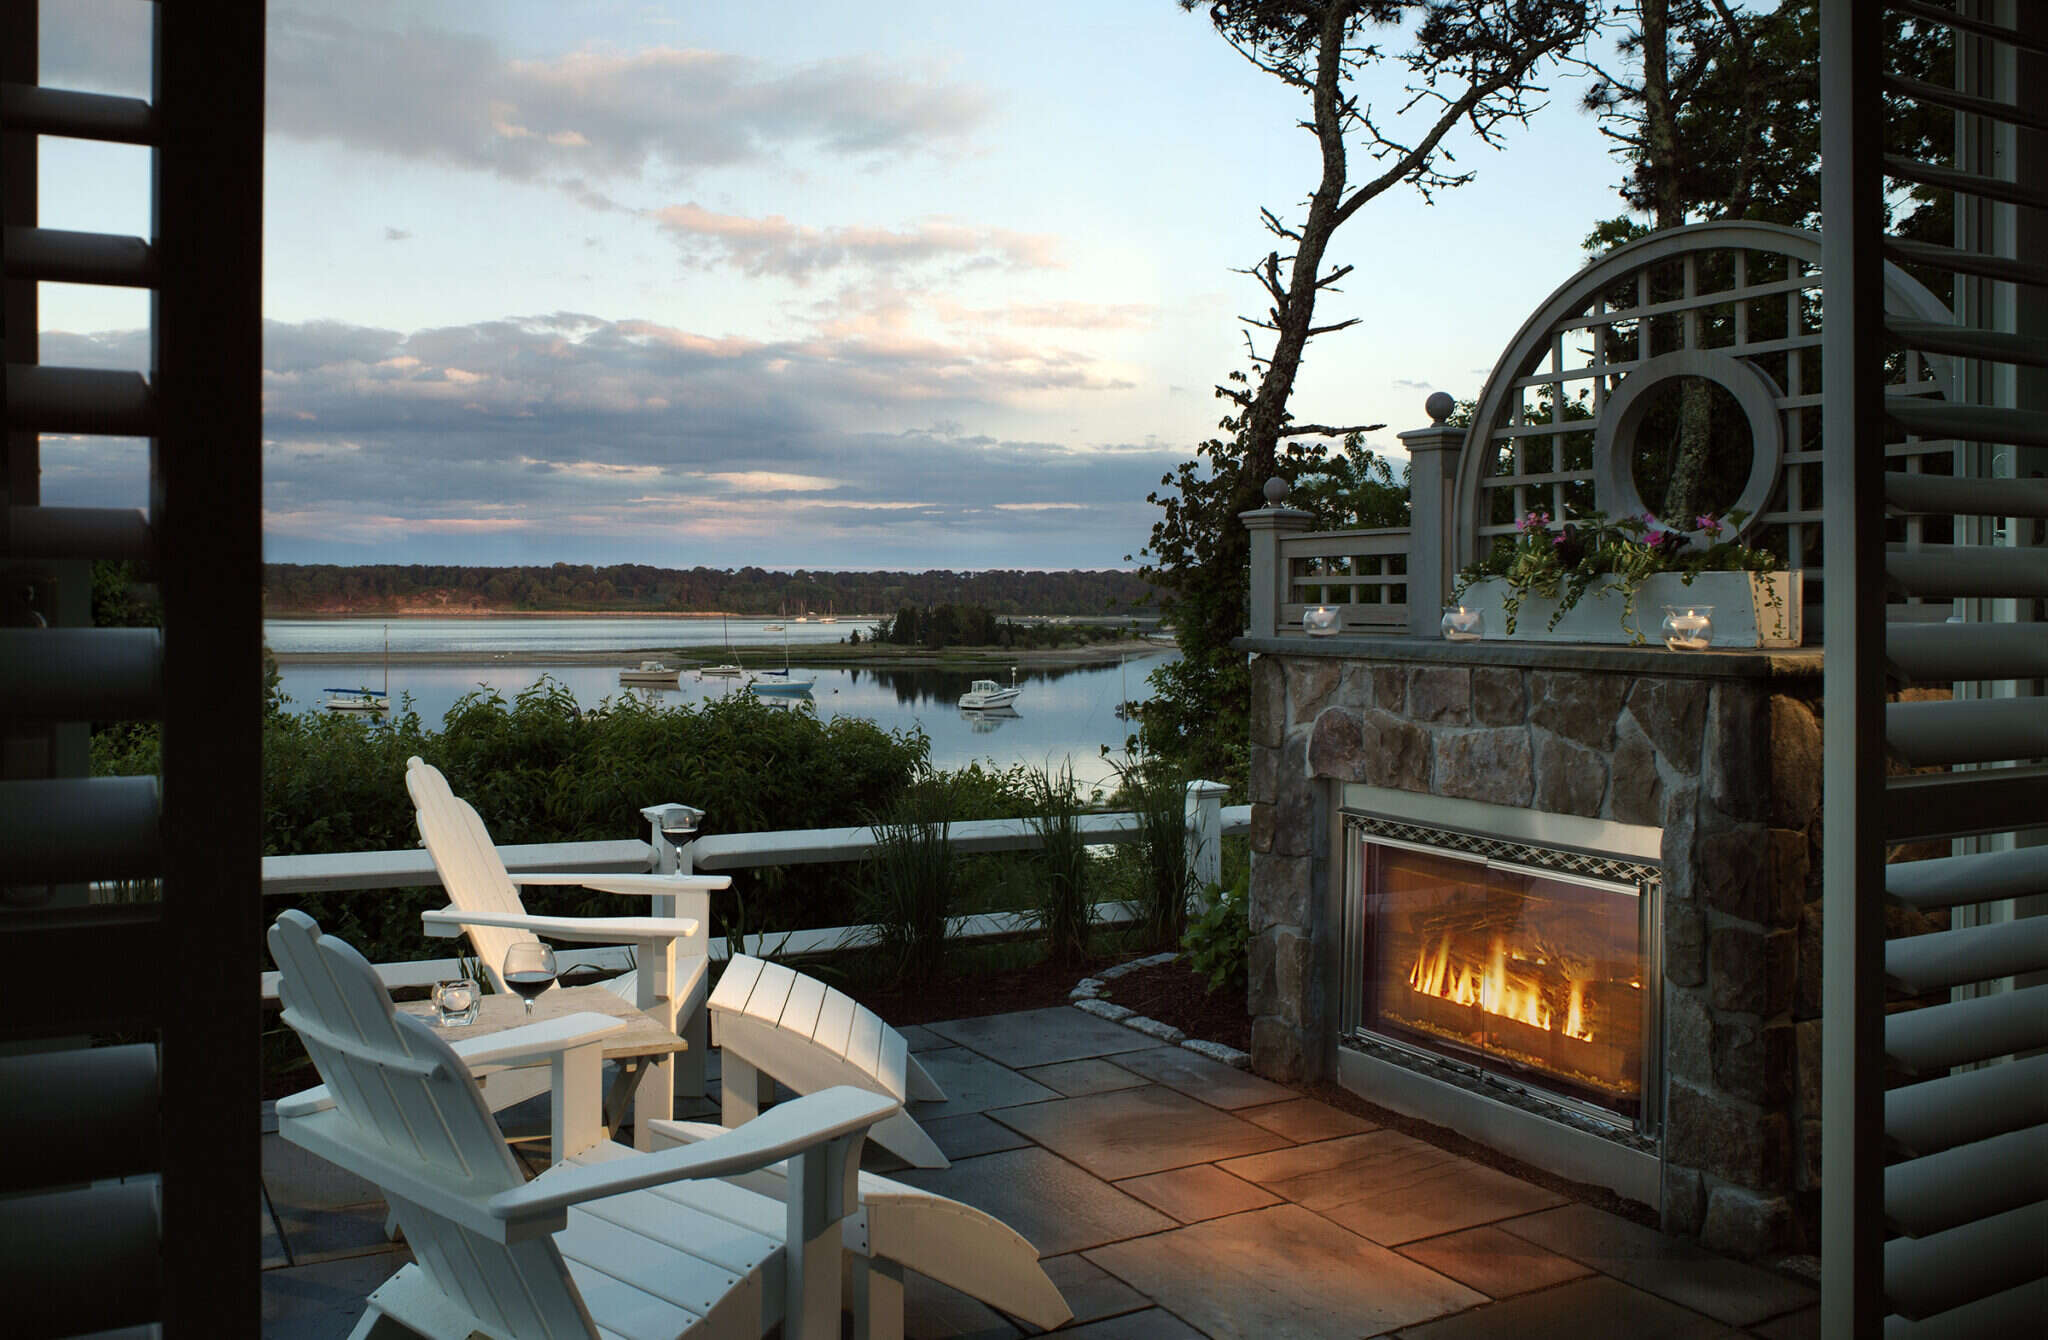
x=528, y=1044
x=592, y=930
x=785, y=1131
x=648, y=885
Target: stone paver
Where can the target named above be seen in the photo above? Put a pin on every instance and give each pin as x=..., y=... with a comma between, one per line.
x=922, y=1039
x=1042, y=1037
x=1151, y=1324
x=324, y=1301
x=1057, y=1207
x=1689, y=1275
x=1204, y=1191
x=932, y=1311
x=1136, y=1131
x=1094, y=1075
x=970, y=1134
x=1304, y=1120
x=1803, y=1325
x=1577, y=1311
x=1092, y=1293
x=1282, y=1272
x=1494, y=1261
x=973, y=1083
x=1197, y=1076
x=1391, y=1188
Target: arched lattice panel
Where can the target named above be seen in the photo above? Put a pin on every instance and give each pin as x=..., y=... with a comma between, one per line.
x=1564, y=423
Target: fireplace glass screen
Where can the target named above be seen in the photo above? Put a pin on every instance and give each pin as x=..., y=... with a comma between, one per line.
x=1529, y=972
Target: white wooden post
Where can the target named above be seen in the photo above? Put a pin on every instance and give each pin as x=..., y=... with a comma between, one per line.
x=1205, y=837
x=680, y=1075
x=1268, y=526
x=1433, y=456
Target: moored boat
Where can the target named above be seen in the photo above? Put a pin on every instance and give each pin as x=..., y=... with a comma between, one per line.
x=984, y=694
x=653, y=673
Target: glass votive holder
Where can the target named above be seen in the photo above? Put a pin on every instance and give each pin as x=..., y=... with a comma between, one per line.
x=1321, y=621
x=1463, y=624
x=1688, y=627
x=456, y=1002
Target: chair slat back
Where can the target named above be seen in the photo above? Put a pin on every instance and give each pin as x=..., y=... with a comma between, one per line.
x=468, y=862
x=411, y=1106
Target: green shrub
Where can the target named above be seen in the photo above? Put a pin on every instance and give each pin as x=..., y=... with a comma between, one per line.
x=1065, y=909
x=1218, y=945
x=907, y=887
x=1155, y=790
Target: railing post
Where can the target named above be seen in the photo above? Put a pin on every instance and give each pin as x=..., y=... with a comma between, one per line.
x=683, y=1073
x=1205, y=837
x=1269, y=569
x=1433, y=456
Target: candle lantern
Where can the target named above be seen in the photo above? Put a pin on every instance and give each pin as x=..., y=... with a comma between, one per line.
x=1463, y=625
x=1688, y=627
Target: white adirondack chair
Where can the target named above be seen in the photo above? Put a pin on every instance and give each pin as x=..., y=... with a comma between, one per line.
x=607, y=1242
x=773, y=1024
x=672, y=954
x=899, y=1227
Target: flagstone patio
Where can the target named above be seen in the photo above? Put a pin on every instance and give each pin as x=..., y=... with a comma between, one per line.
x=1172, y=1196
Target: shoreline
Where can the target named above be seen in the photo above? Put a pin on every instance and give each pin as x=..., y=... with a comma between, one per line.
x=866, y=654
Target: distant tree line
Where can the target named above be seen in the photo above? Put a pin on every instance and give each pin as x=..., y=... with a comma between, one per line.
x=298, y=588
x=940, y=626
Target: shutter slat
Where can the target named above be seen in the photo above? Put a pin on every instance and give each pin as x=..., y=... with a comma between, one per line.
x=77, y=829
x=2014, y=1312
x=82, y=674
x=1918, y=964
x=1949, y=495
x=1950, y=571
x=1969, y=23
x=1926, y=1276
x=79, y=400
x=52, y=255
x=79, y=532
x=1982, y=1028
x=78, y=116
x=1960, y=804
x=1971, y=183
x=1934, y=1194
x=1922, y=91
x=1969, y=1105
x=1967, y=730
x=1971, y=423
x=89, y=1113
x=1954, y=881
x=1937, y=257
x=83, y=1260
x=1942, y=337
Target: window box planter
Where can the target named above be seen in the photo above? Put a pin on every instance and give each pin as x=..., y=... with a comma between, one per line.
x=1751, y=609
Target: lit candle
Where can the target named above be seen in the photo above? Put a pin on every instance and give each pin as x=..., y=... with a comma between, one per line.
x=1691, y=630
x=1320, y=621
x=1462, y=625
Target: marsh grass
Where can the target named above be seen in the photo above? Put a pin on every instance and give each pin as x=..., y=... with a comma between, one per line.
x=907, y=888
x=1064, y=913
x=1155, y=790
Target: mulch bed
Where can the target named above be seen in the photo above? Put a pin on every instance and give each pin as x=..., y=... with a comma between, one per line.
x=1174, y=993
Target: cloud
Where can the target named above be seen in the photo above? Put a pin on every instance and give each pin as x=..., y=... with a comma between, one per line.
x=566, y=435
x=594, y=115
x=774, y=245
x=396, y=235
x=1053, y=315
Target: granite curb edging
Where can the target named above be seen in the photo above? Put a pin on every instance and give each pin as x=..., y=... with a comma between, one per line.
x=1087, y=995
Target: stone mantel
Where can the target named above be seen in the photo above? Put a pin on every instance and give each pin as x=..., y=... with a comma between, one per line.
x=1799, y=663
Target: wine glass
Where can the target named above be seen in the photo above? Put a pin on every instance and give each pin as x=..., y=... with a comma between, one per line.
x=529, y=970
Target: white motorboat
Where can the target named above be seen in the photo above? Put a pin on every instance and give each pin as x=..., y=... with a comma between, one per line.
x=653, y=674
x=720, y=671
x=357, y=700
x=984, y=694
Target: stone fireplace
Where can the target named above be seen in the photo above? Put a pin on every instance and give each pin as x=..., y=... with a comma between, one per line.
x=1556, y=898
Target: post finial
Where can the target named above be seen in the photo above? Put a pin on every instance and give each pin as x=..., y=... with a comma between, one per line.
x=1275, y=490
x=1439, y=406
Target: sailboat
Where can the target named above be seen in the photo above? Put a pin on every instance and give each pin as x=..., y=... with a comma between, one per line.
x=777, y=683
x=731, y=669
x=365, y=699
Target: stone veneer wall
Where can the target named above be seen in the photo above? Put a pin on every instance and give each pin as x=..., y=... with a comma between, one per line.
x=1726, y=760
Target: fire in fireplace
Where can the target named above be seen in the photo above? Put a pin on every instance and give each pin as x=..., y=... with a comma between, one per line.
x=1525, y=962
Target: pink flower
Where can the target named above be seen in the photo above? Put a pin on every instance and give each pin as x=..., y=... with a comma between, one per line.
x=1710, y=526
x=1533, y=522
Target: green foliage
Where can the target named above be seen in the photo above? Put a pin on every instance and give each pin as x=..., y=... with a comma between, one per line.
x=1562, y=562
x=122, y=596
x=907, y=889
x=936, y=627
x=1218, y=944
x=628, y=587
x=1065, y=908
x=1155, y=790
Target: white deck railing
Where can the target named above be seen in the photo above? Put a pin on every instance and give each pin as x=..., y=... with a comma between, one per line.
x=372, y=872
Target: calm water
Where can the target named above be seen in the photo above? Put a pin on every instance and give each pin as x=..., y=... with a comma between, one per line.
x=536, y=635
x=1063, y=714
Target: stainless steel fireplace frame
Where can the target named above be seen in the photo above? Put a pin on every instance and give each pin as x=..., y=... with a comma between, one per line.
x=1618, y=874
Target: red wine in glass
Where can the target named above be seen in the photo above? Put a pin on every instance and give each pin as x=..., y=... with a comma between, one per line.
x=529, y=970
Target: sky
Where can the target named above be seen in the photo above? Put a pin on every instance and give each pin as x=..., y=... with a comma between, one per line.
x=930, y=284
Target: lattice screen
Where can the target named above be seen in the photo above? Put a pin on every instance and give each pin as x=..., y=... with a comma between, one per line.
x=1746, y=292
